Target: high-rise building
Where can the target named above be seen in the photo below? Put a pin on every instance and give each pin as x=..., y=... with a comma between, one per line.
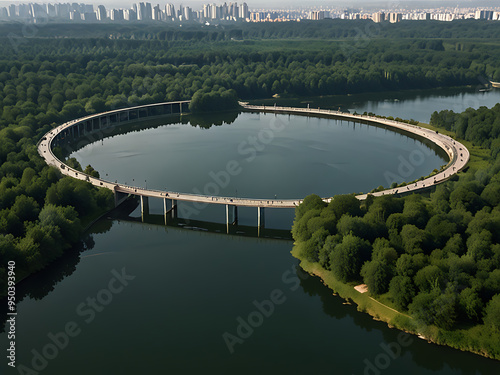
x=116, y=15
x=156, y=13
x=378, y=17
x=244, y=13
x=484, y=15
x=62, y=10
x=50, y=10
x=170, y=11
x=11, y=11
x=142, y=13
x=101, y=13
x=395, y=17
x=74, y=15
x=37, y=11
x=89, y=16
x=130, y=15
x=207, y=12
x=187, y=14
x=215, y=12
x=224, y=11
x=23, y=10
x=232, y=11
x=317, y=15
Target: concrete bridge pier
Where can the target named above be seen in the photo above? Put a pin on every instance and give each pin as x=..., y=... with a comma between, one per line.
x=261, y=218
x=233, y=220
x=165, y=209
x=174, y=208
x=144, y=206
x=235, y=215
x=119, y=197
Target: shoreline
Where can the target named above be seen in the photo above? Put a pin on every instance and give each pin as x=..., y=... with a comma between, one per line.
x=351, y=295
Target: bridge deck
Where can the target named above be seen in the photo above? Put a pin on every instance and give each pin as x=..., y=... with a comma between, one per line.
x=458, y=153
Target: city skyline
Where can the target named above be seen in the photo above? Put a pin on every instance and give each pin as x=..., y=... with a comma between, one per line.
x=230, y=12
x=295, y=4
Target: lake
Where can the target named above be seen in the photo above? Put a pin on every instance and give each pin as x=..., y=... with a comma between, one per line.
x=148, y=298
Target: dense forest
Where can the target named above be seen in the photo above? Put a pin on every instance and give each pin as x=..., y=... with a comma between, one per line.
x=434, y=256
x=304, y=29
x=52, y=73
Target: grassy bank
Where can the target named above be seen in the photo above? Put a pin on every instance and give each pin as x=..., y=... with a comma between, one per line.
x=477, y=339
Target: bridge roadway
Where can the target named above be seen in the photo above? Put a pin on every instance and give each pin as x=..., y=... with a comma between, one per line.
x=458, y=153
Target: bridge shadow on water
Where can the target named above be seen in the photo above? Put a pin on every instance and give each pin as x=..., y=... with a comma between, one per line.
x=127, y=208
x=42, y=283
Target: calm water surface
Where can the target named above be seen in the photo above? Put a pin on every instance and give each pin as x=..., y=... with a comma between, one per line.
x=185, y=291
x=275, y=157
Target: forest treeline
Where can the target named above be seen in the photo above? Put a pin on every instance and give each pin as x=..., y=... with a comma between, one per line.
x=45, y=81
x=305, y=29
x=435, y=257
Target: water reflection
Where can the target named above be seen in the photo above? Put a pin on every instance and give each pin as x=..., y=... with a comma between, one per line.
x=428, y=356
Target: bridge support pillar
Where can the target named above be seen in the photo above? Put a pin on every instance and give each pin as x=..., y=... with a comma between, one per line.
x=144, y=206
x=235, y=215
x=231, y=220
x=119, y=197
x=261, y=219
x=165, y=210
x=174, y=208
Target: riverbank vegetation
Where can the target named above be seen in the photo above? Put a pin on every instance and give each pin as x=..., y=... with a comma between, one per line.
x=435, y=258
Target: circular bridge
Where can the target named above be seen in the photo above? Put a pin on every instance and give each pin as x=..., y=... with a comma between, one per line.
x=94, y=127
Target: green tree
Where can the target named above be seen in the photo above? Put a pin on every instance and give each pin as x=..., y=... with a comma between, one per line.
x=415, y=240
x=402, y=290
x=25, y=208
x=65, y=218
x=91, y=171
x=311, y=202
x=312, y=247
x=300, y=228
x=348, y=257
x=422, y=309
x=345, y=204
x=445, y=310
x=492, y=313
x=471, y=304
x=428, y=278
x=377, y=275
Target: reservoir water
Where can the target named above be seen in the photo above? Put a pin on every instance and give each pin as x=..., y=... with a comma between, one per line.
x=145, y=298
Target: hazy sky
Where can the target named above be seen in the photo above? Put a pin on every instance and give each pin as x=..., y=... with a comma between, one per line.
x=197, y=4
